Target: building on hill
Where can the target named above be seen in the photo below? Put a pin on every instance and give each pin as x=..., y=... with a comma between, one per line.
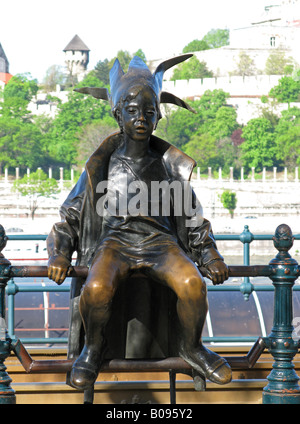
x=76, y=59
x=276, y=28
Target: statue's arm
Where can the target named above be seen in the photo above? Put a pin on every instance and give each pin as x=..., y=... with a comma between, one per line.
x=203, y=247
x=62, y=240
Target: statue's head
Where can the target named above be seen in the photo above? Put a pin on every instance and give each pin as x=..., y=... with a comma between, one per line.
x=138, y=78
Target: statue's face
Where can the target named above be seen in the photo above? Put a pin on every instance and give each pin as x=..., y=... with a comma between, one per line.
x=138, y=115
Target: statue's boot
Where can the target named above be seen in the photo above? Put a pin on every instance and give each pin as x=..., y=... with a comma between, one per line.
x=86, y=368
x=207, y=363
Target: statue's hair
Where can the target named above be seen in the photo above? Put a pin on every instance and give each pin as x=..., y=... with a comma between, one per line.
x=138, y=74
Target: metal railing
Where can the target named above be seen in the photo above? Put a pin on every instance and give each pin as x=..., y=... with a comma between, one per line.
x=283, y=271
x=246, y=287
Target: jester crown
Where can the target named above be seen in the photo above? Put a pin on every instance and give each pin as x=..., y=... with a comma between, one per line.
x=138, y=74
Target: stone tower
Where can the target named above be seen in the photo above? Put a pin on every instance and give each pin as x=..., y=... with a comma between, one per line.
x=4, y=65
x=76, y=59
x=5, y=76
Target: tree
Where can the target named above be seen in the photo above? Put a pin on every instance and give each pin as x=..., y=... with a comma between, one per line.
x=54, y=76
x=236, y=137
x=179, y=125
x=74, y=114
x=16, y=96
x=217, y=38
x=34, y=187
x=287, y=135
x=205, y=135
x=259, y=148
x=124, y=58
x=20, y=143
x=268, y=110
x=225, y=122
x=191, y=69
x=20, y=139
x=102, y=69
x=286, y=91
x=195, y=46
x=140, y=54
x=202, y=148
x=229, y=201
x=245, y=66
x=278, y=64
x=229, y=156
x=90, y=136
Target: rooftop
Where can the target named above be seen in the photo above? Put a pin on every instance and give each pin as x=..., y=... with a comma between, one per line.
x=76, y=44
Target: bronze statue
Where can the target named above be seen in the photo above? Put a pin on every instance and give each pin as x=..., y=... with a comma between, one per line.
x=120, y=229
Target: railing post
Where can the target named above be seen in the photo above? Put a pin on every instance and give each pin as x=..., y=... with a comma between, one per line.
x=283, y=385
x=7, y=394
x=246, y=238
x=11, y=291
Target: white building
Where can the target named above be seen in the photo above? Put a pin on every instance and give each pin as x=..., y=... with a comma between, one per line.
x=277, y=28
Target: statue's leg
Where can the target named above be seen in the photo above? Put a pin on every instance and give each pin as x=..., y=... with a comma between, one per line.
x=96, y=297
x=181, y=274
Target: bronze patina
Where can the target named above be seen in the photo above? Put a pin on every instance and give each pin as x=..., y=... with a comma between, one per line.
x=144, y=295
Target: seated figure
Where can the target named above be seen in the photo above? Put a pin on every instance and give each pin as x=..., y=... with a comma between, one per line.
x=133, y=212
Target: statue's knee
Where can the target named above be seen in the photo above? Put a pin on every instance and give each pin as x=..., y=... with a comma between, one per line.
x=98, y=292
x=194, y=287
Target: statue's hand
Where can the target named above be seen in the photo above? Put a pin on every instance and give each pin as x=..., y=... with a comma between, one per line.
x=59, y=268
x=217, y=272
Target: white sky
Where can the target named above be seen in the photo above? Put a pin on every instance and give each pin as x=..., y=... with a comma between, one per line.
x=33, y=33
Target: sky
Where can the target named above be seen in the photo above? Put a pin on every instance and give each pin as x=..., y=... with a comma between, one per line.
x=33, y=33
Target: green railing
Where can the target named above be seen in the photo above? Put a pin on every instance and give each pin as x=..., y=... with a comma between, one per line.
x=283, y=271
x=246, y=287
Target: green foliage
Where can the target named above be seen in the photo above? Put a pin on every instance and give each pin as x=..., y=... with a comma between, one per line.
x=101, y=71
x=288, y=137
x=35, y=186
x=213, y=39
x=224, y=122
x=20, y=138
x=140, y=54
x=16, y=96
x=195, y=46
x=102, y=68
x=20, y=143
x=211, y=117
x=22, y=87
x=206, y=135
x=90, y=135
x=217, y=38
x=259, y=148
x=191, y=69
x=77, y=112
x=229, y=201
x=54, y=76
x=278, y=64
x=245, y=65
x=202, y=148
x=212, y=136
x=287, y=90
